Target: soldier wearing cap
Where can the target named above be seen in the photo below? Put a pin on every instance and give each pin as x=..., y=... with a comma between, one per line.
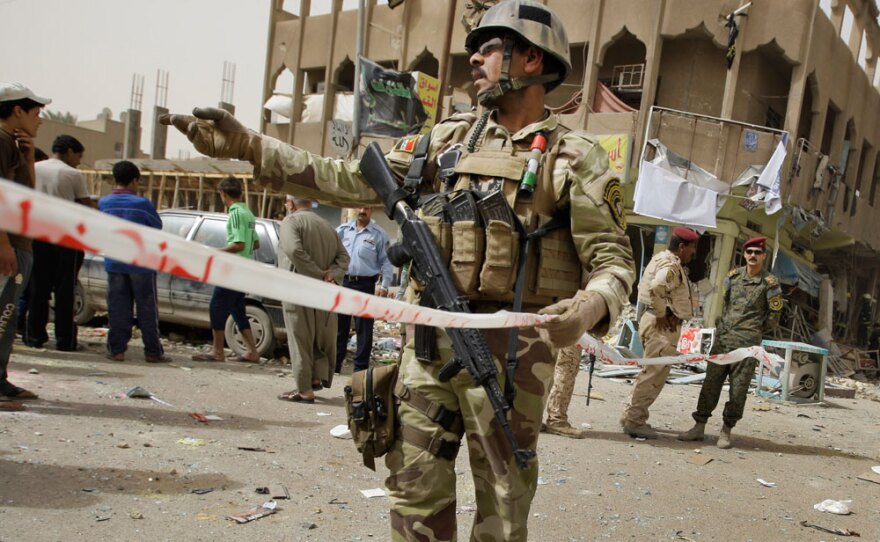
x=519, y=52
x=752, y=304
x=667, y=298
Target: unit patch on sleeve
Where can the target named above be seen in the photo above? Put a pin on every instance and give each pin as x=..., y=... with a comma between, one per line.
x=614, y=199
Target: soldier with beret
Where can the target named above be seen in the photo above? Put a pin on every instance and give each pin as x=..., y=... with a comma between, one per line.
x=667, y=298
x=752, y=305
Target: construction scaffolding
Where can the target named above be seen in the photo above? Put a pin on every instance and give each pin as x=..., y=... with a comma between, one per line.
x=189, y=184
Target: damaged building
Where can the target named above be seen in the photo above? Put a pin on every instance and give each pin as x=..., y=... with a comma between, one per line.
x=718, y=85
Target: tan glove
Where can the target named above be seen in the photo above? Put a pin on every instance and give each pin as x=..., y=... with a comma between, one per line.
x=216, y=133
x=577, y=315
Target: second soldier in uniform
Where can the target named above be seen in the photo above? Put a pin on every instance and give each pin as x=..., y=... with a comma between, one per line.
x=752, y=304
x=667, y=297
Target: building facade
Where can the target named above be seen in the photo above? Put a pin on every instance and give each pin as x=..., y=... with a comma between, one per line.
x=804, y=67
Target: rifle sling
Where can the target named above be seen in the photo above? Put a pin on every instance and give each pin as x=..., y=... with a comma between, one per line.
x=559, y=220
x=413, y=178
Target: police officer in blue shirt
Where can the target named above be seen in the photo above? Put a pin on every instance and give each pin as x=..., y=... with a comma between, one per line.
x=365, y=242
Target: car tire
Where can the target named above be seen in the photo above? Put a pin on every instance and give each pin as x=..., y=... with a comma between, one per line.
x=83, y=313
x=261, y=327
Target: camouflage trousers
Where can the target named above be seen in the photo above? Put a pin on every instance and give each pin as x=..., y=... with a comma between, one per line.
x=740, y=376
x=568, y=363
x=421, y=486
x=650, y=381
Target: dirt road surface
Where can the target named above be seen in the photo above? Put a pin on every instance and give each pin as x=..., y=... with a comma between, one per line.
x=85, y=462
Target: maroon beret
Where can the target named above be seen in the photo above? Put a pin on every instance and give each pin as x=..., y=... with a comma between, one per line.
x=686, y=234
x=755, y=242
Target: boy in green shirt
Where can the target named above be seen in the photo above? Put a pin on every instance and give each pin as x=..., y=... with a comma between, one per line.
x=241, y=239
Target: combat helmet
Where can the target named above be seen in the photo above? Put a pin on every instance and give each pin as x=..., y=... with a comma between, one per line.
x=534, y=23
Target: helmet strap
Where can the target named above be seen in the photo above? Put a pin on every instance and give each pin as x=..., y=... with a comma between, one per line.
x=506, y=83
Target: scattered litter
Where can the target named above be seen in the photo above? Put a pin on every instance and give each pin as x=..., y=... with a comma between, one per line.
x=213, y=418
x=804, y=416
x=34, y=372
x=123, y=445
x=761, y=408
x=99, y=373
x=370, y=493
x=341, y=431
x=765, y=483
x=308, y=525
x=198, y=417
x=192, y=442
x=324, y=414
x=841, y=532
x=202, y=490
x=251, y=449
x=89, y=489
x=835, y=507
x=876, y=469
x=466, y=509
x=102, y=518
x=138, y=392
x=185, y=368
x=275, y=491
x=336, y=500
x=134, y=514
x=699, y=460
x=542, y=481
x=870, y=476
x=266, y=509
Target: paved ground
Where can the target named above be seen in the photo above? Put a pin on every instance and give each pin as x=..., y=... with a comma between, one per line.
x=87, y=463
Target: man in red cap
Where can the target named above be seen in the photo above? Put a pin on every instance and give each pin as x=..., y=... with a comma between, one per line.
x=666, y=296
x=752, y=303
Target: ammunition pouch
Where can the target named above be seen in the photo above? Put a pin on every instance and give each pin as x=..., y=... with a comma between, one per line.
x=371, y=408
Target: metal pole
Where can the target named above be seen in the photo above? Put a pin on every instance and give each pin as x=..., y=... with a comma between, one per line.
x=356, y=111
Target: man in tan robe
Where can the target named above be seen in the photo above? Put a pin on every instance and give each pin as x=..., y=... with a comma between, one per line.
x=309, y=246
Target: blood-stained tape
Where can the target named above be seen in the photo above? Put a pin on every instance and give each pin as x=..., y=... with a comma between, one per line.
x=608, y=355
x=33, y=214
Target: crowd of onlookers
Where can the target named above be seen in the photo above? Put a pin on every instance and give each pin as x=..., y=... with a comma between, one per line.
x=33, y=273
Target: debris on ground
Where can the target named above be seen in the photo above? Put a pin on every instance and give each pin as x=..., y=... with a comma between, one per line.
x=841, y=532
x=341, y=431
x=191, y=442
x=840, y=508
x=370, y=493
x=275, y=491
x=266, y=509
x=765, y=483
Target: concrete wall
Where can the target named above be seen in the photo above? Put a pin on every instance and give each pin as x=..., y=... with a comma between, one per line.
x=102, y=138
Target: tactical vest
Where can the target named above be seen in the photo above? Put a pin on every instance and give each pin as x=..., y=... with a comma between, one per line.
x=483, y=255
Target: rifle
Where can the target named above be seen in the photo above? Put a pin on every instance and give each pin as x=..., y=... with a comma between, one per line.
x=592, y=358
x=471, y=352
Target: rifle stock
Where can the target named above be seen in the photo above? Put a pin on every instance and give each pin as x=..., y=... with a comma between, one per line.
x=470, y=350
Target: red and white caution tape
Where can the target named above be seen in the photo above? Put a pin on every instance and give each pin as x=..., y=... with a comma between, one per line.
x=608, y=355
x=26, y=212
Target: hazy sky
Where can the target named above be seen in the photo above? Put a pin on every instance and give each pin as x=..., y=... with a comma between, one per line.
x=82, y=54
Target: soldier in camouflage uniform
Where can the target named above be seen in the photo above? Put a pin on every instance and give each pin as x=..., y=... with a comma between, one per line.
x=568, y=363
x=752, y=304
x=519, y=52
x=666, y=296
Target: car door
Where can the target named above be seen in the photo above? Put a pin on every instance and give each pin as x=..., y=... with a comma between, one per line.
x=190, y=298
x=180, y=225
